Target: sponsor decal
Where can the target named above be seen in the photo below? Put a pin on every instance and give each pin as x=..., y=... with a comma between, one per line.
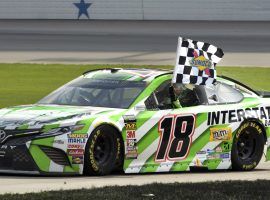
x=197, y=162
x=201, y=62
x=213, y=156
x=201, y=152
x=77, y=159
x=219, y=150
x=77, y=138
x=209, y=151
x=132, y=154
x=226, y=146
x=131, y=126
x=58, y=142
x=131, y=143
x=224, y=156
x=73, y=135
x=239, y=115
x=220, y=134
x=75, y=152
x=75, y=146
x=130, y=134
x=217, y=154
x=201, y=155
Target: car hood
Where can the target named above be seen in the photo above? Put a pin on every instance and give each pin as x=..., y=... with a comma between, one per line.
x=38, y=115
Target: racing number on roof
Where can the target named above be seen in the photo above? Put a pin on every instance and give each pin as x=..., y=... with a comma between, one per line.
x=175, y=137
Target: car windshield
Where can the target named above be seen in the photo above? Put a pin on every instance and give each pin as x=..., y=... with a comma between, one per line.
x=96, y=92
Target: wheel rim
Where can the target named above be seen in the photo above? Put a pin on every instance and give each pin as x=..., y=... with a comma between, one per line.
x=102, y=149
x=246, y=145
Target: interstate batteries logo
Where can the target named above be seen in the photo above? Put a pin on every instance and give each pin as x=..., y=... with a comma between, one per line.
x=239, y=115
x=220, y=134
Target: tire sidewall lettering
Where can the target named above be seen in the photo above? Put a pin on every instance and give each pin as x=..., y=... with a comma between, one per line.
x=246, y=125
x=93, y=163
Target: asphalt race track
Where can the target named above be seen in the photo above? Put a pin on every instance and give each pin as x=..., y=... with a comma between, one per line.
x=131, y=42
x=24, y=184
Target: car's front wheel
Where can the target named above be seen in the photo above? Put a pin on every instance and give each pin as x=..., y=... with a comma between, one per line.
x=247, y=148
x=102, y=151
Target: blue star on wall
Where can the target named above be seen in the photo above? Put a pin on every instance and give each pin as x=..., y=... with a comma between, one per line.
x=82, y=6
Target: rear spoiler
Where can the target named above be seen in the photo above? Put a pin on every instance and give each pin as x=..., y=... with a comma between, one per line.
x=264, y=94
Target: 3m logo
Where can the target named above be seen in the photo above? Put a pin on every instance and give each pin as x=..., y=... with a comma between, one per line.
x=220, y=134
x=130, y=134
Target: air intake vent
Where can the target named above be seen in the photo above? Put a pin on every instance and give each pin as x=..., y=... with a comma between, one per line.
x=56, y=155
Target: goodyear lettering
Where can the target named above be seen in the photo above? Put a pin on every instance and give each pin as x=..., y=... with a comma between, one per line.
x=118, y=149
x=252, y=124
x=251, y=166
x=92, y=158
x=239, y=115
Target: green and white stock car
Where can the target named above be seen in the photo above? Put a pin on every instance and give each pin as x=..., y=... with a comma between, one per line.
x=120, y=119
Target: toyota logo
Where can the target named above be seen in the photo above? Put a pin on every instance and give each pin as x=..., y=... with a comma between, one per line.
x=2, y=134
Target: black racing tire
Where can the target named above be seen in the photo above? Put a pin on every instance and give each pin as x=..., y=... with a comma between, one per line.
x=247, y=147
x=102, y=151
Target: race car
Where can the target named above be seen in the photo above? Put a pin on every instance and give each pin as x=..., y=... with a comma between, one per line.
x=122, y=120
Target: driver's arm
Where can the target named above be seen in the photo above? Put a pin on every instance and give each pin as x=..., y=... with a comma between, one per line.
x=174, y=100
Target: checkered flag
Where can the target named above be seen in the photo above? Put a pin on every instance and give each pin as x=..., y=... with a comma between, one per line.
x=195, y=62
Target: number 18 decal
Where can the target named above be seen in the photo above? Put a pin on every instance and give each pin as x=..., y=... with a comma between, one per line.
x=175, y=137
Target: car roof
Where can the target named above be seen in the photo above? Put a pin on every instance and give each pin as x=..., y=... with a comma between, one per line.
x=129, y=74
x=143, y=74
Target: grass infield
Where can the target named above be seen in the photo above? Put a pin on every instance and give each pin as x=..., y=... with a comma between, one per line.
x=209, y=190
x=27, y=83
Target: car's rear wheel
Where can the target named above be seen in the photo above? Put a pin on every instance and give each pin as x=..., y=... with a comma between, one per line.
x=247, y=148
x=102, y=151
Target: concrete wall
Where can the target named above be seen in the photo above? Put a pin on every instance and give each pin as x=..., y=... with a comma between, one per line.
x=138, y=9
